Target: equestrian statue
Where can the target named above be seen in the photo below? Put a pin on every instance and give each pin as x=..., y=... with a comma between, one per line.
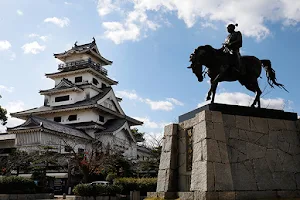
x=226, y=64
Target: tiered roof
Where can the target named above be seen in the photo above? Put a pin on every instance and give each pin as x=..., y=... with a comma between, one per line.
x=35, y=122
x=64, y=86
x=78, y=67
x=84, y=104
x=89, y=48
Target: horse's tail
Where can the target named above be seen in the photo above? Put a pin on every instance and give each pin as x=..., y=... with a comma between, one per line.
x=270, y=73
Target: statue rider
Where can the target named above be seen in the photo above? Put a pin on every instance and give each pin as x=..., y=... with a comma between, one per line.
x=234, y=42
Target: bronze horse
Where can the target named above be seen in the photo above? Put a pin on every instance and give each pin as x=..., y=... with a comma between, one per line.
x=220, y=69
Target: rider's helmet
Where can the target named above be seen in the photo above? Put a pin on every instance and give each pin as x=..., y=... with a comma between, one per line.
x=231, y=27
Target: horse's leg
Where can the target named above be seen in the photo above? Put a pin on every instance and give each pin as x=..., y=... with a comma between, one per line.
x=214, y=84
x=208, y=95
x=210, y=90
x=253, y=86
x=214, y=89
x=258, y=93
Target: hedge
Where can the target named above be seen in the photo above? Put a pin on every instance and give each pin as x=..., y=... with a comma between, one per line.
x=121, y=185
x=143, y=185
x=16, y=185
x=110, y=177
x=97, y=190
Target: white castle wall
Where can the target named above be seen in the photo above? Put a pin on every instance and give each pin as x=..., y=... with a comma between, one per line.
x=87, y=115
x=86, y=77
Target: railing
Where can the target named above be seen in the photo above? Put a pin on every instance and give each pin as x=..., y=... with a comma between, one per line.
x=80, y=63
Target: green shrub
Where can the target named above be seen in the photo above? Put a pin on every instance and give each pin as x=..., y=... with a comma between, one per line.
x=110, y=177
x=112, y=190
x=16, y=185
x=84, y=190
x=143, y=185
x=97, y=190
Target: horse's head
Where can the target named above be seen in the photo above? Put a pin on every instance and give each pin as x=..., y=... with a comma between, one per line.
x=198, y=59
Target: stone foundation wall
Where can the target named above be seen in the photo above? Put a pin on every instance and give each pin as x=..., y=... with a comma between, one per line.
x=168, y=163
x=220, y=155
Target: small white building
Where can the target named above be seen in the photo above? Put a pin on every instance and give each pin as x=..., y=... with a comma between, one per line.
x=143, y=153
x=82, y=104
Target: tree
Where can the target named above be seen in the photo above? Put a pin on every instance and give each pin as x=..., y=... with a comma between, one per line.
x=139, y=136
x=96, y=159
x=46, y=158
x=40, y=159
x=154, y=144
x=118, y=164
x=3, y=117
x=19, y=161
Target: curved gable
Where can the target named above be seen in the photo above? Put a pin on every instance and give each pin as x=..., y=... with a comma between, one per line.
x=111, y=99
x=127, y=131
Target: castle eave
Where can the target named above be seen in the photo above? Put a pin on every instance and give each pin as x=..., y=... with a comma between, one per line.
x=24, y=130
x=57, y=91
x=25, y=115
x=79, y=71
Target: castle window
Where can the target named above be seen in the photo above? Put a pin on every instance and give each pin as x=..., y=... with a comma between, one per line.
x=78, y=79
x=87, y=95
x=103, y=85
x=81, y=151
x=68, y=149
x=95, y=81
x=57, y=119
x=101, y=118
x=62, y=98
x=72, y=118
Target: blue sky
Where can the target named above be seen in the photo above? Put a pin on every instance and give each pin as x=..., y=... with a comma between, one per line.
x=149, y=43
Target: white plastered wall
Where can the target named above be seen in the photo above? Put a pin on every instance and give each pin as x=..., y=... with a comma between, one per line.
x=86, y=78
x=86, y=115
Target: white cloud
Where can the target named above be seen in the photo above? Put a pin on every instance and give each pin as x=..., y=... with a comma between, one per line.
x=19, y=12
x=6, y=89
x=160, y=105
x=129, y=95
x=175, y=101
x=242, y=99
x=118, y=32
x=67, y=3
x=105, y=7
x=136, y=22
x=165, y=105
x=151, y=124
x=59, y=22
x=33, y=47
x=42, y=37
x=251, y=17
x=12, y=107
x=4, y=45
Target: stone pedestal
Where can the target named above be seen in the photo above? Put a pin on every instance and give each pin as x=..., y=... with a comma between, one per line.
x=231, y=152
